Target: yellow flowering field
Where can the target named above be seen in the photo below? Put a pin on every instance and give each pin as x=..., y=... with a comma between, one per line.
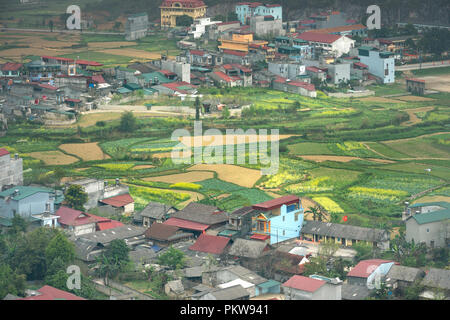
x=328, y=204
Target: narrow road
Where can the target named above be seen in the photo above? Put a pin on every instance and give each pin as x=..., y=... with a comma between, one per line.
x=425, y=65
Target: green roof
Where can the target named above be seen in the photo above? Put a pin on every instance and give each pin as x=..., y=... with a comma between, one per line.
x=24, y=192
x=123, y=90
x=5, y=222
x=366, y=48
x=283, y=38
x=428, y=204
x=227, y=233
x=149, y=77
x=132, y=86
x=269, y=284
x=435, y=216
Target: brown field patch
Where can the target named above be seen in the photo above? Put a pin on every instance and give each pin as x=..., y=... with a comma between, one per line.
x=86, y=151
x=81, y=169
x=318, y=158
x=413, y=98
x=380, y=99
x=432, y=199
x=219, y=140
x=53, y=157
x=235, y=174
x=142, y=166
x=111, y=44
x=413, y=119
x=135, y=53
x=438, y=82
x=194, y=176
x=309, y=203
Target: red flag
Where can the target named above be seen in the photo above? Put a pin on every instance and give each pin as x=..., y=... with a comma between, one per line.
x=345, y=218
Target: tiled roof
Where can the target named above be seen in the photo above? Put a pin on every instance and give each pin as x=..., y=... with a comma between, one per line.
x=89, y=63
x=161, y=231
x=98, y=79
x=360, y=64
x=10, y=66
x=313, y=69
x=304, y=283
x=57, y=58
x=184, y=224
x=3, y=152
x=318, y=37
x=278, y=202
x=201, y=213
x=365, y=268
x=110, y=224
x=51, y=293
x=234, y=52
x=119, y=201
x=47, y=86
x=72, y=217
x=210, y=244
x=197, y=52
x=223, y=76
x=340, y=29
x=247, y=248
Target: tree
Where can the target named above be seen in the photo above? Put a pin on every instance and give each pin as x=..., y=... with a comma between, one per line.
x=127, y=122
x=10, y=281
x=184, y=20
x=107, y=268
x=173, y=258
x=197, y=108
x=18, y=225
x=317, y=213
x=60, y=248
x=363, y=251
x=59, y=173
x=118, y=251
x=225, y=113
x=328, y=248
x=316, y=265
x=50, y=24
x=75, y=197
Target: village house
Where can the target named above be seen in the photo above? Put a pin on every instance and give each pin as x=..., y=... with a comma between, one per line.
x=122, y=204
x=136, y=26
x=198, y=218
x=98, y=189
x=154, y=212
x=360, y=274
x=248, y=249
x=312, y=288
x=246, y=10
x=277, y=220
x=50, y=293
x=332, y=43
x=339, y=72
x=215, y=245
x=344, y=234
x=266, y=25
x=178, y=88
x=430, y=224
x=354, y=292
x=201, y=26
x=380, y=63
x=11, y=70
x=11, y=169
x=415, y=86
x=165, y=235
x=239, y=223
x=294, y=86
x=436, y=281
x=400, y=277
x=236, y=292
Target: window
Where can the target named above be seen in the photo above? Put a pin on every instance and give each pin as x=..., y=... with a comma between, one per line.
x=283, y=218
x=386, y=72
x=428, y=230
x=284, y=232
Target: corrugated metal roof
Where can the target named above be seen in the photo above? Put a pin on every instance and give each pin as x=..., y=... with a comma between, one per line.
x=304, y=283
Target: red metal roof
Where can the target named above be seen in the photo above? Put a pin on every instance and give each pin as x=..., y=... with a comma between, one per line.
x=3, y=152
x=58, y=58
x=223, y=76
x=319, y=37
x=89, y=63
x=416, y=80
x=184, y=224
x=51, y=293
x=234, y=52
x=72, y=100
x=276, y=203
x=313, y=69
x=307, y=21
x=229, y=22
x=10, y=66
x=197, y=52
x=119, y=201
x=360, y=64
x=227, y=67
x=304, y=283
x=262, y=237
x=72, y=217
x=210, y=244
x=174, y=86
x=105, y=225
x=98, y=79
x=365, y=268
x=47, y=86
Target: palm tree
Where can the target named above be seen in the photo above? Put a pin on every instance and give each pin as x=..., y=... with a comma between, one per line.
x=317, y=213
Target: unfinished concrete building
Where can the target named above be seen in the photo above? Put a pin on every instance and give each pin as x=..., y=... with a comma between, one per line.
x=136, y=26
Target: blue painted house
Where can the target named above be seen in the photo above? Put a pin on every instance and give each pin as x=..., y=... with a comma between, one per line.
x=246, y=10
x=26, y=201
x=380, y=63
x=277, y=220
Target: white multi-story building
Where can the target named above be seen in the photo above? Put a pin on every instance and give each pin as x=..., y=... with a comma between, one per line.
x=380, y=63
x=198, y=28
x=11, y=169
x=333, y=43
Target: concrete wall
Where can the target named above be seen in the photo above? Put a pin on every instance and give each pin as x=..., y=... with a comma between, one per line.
x=11, y=171
x=264, y=28
x=436, y=231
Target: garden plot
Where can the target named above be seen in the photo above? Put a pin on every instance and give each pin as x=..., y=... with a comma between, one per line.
x=413, y=119
x=85, y=151
x=417, y=148
x=220, y=140
x=413, y=98
x=380, y=100
x=53, y=157
x=143, y=166
x=133, y=53
x=235, y=174
x=194, y=176
x=310, y=148
x=110, y=44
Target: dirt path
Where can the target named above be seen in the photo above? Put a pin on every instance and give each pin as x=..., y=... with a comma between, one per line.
x=194, y=196
x=413, y=119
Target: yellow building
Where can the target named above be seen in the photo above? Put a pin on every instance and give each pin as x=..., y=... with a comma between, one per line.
x=240, y=42
x=170, y=9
